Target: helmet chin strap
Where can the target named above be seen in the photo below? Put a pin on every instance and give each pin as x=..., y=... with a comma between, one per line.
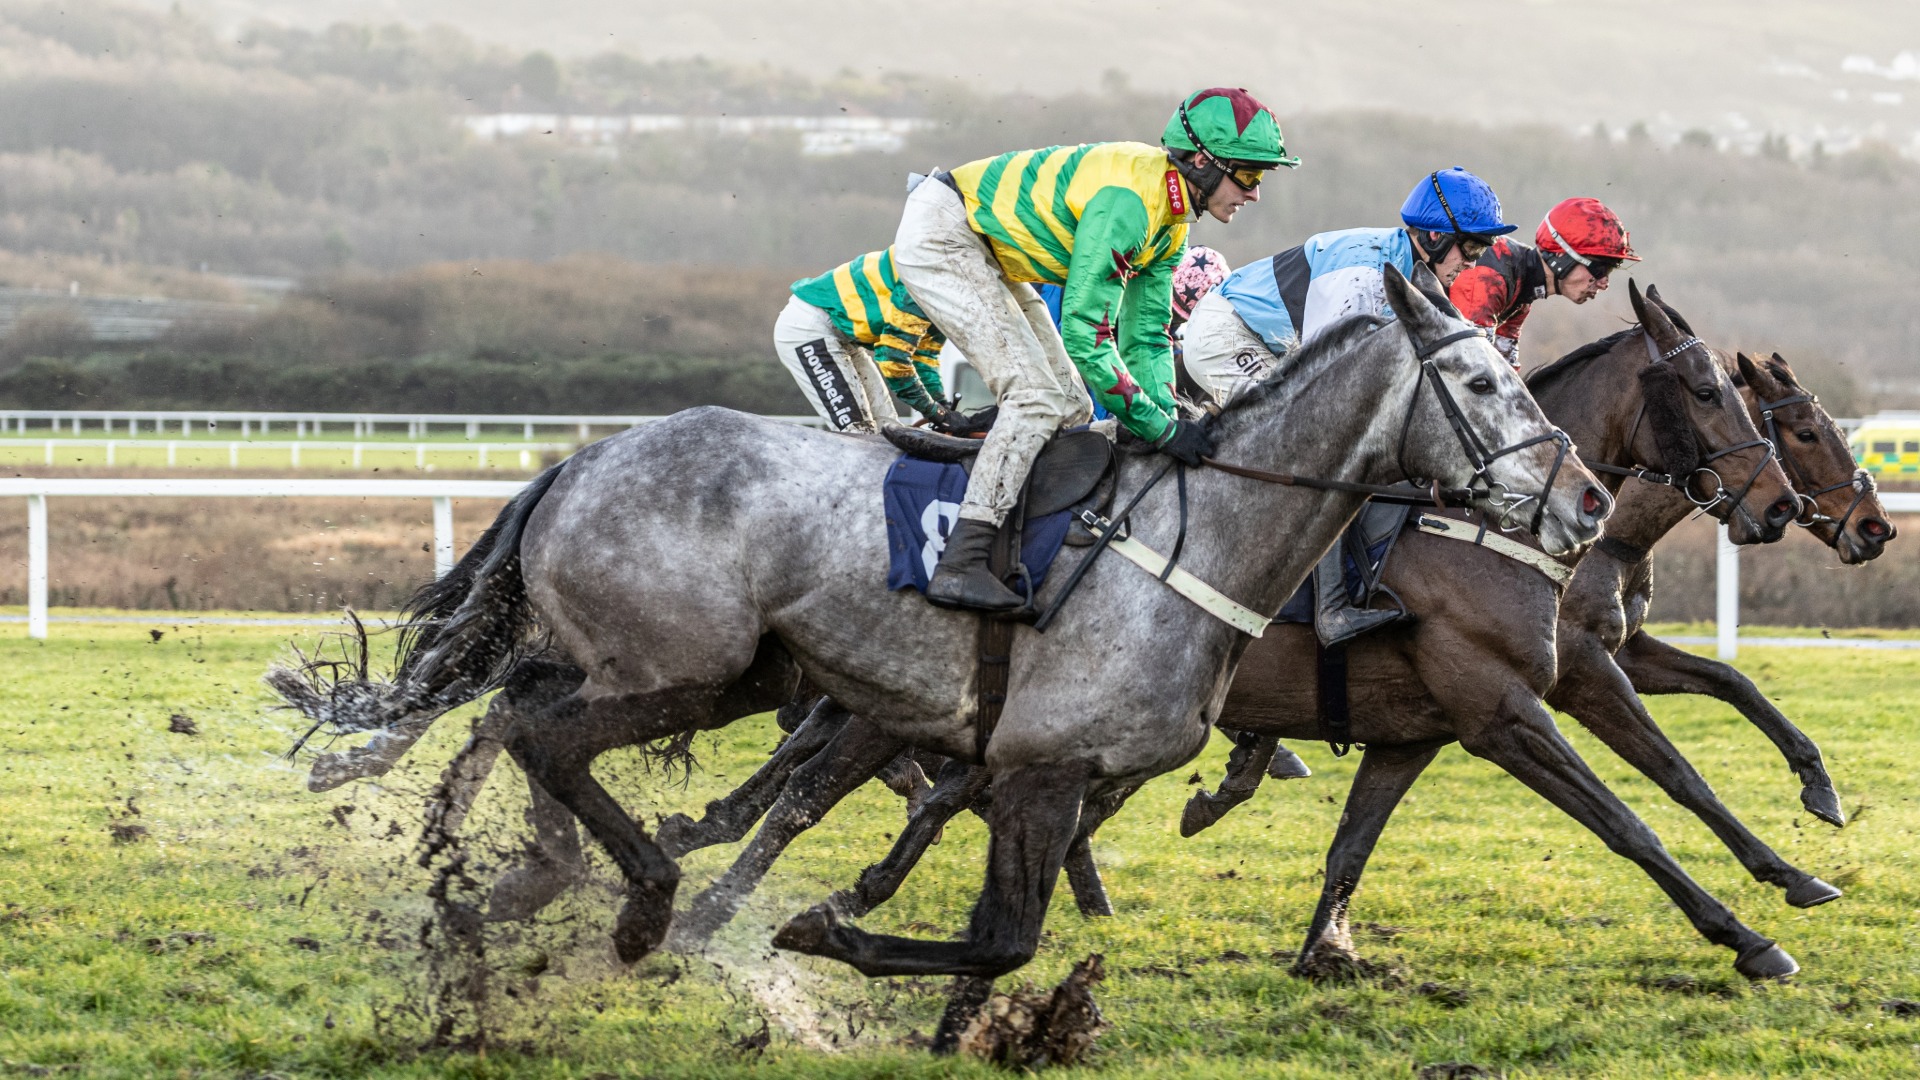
x=1204, y=180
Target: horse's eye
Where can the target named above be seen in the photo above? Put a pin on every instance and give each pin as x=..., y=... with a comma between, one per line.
x=1481, y=385
x=1806, y=437
x=1705, y=395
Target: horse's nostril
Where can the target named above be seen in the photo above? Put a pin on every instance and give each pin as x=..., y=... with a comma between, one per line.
x=1875, y=529
x=1591, y=502
x=1783, y=511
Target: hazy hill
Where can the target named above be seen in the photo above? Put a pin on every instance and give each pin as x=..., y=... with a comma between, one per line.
x=138, y=138
x=1724, y=65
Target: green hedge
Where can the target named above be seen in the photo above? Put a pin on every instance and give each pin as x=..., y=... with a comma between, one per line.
x=613, y=384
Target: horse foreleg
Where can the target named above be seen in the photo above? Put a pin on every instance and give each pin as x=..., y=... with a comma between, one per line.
x=1383, y=778
x=1656, y=667
x=1246, y=767
x=1520, y=738
x=1597, y=694
x=955, y=788
x=1036, y=811
x=729, y=818
x=847, y=762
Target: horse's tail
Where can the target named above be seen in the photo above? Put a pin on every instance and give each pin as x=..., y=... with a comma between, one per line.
x=460, y=637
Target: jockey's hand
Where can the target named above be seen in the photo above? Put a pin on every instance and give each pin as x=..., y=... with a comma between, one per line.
x=1187, y=441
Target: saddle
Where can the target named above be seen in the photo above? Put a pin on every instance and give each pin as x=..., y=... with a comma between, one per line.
x=1068, y=471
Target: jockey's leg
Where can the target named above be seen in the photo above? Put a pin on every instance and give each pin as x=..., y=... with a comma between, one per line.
x=873, y=387
x=822, y=365
x=946, y=267
x=1221, y=352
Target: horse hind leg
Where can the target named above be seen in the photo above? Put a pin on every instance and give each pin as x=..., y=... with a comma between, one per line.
x=1656, y=667
x=557, y=747
x=1036, y=811
x=1597, y=694
x=1382, y=780
x=551, y=863
x=1083, y=874
x=1520, y=738
x=728, y=819
x=847, y=762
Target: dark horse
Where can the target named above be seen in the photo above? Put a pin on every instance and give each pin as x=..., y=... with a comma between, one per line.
x=694, y=568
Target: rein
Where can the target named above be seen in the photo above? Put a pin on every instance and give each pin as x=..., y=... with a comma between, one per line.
x=1861, y=481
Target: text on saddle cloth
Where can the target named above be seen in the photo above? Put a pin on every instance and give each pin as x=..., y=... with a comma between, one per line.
x=923, y=500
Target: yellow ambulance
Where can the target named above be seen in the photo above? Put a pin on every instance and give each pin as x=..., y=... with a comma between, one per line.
x=1888, y=444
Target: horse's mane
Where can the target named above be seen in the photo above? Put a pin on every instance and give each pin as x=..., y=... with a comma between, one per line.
x=1304, y=363
x=1538, y=379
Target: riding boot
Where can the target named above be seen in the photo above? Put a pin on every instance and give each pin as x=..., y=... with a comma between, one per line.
x=1335, y=618
x=962, y=580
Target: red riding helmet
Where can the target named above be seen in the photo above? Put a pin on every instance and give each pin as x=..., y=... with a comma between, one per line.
x=1583, y=232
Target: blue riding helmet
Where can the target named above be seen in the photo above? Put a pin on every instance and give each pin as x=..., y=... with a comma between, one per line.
x=1454, y=201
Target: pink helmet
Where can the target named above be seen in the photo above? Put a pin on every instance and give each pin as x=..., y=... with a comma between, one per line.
x=1199, y=271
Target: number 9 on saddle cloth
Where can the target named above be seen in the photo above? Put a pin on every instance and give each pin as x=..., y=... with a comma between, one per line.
x=1337, y=597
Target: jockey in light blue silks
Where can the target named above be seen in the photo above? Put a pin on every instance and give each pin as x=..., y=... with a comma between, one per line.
x=1242, y=330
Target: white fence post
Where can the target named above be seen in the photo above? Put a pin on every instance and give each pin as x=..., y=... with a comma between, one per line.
x=1727, y=595
x=442, y=535
x=37, y=566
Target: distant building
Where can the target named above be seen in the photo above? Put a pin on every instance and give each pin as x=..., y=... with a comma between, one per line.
x=820, y=136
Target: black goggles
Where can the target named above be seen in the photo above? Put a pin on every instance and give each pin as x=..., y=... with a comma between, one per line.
x=1473, y=245
x=1600, y=268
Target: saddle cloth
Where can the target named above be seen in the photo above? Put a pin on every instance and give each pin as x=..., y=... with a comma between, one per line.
x=923, y=503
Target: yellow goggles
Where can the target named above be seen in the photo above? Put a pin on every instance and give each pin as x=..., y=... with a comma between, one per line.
x=1247, y=176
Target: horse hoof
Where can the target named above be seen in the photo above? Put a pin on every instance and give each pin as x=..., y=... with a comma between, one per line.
x=1767, y=962
x=643, y=921
x=1286, y=765
x=1201, y=811
x=1823, y=803
x=675, y=836
x=806, y=932
x=1812, y=892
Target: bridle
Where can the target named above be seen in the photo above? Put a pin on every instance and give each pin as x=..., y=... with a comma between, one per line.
x=1482, y=485
x=1684, y=484
x=1861, y=482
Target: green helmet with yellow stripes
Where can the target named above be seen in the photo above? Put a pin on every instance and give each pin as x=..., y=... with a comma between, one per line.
x=1229, y=126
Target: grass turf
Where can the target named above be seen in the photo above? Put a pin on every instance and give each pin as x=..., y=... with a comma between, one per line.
x=178, y=905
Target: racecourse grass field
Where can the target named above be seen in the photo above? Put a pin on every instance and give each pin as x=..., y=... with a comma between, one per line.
x=177, y=904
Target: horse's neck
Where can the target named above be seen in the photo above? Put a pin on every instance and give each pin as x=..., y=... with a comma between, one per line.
x=1598, y=406
x=1340, y=422
x=1648, y=514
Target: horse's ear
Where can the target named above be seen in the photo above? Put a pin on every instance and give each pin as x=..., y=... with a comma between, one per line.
x=1429, y=286
x=1749, y=370
x=1782, y=372
x=1409, y=305
x=1679, y=320
x=1651, y=315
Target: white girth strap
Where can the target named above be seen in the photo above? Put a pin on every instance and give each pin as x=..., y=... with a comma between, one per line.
x=1210, y=600
x=1555, y=571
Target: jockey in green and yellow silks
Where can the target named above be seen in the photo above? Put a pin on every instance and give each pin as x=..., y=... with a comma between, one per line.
x=1108, y=223
x=847, y=326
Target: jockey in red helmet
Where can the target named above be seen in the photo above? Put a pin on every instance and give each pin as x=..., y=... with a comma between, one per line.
x=1580, y=242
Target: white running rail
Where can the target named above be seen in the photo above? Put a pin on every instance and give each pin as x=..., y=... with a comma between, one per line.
x=38, y=490
x=524, y=451
x=136, y=422
x=443, y=492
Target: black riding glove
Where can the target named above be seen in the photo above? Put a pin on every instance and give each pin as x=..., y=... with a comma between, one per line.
x=965, y=425
x=1186, y=441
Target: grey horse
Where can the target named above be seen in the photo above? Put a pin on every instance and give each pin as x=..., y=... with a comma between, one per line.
x=695, y=567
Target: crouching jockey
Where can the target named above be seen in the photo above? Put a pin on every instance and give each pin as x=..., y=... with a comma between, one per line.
x=1580, y=242
x=1240, y=331
x=1108, y=223
x=853, y=337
